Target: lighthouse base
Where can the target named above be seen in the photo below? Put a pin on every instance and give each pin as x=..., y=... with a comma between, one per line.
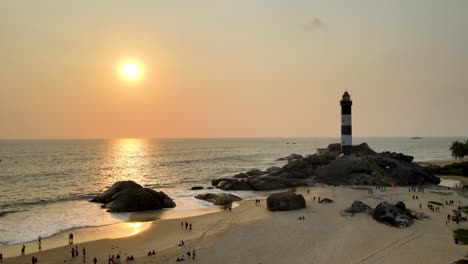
x=346, y=149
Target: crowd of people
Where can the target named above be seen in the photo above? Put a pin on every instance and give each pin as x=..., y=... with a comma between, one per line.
x=187, y=225
x=187, y=256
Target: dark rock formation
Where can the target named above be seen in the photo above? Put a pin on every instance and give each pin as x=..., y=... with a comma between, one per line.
x=401, y=205
x=326, y=200
x=128, y=196
x=364, y=167
x=359, y=207
x=291, y=157
x=197, y=188
x=218, y=198
x=392, y=215
x=285, y=201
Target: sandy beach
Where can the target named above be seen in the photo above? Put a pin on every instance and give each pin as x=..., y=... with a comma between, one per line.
x=251, y=234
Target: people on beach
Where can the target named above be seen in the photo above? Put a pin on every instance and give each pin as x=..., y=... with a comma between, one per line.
x=95, y=260
x=39, y=242
x=84, y=252
x=181, y=243
x=70, y=238
x=73, y=252
x=1, y=257
x=23, y=249
x=193, y=254
x=76, y=251
x=34, y=260
x=186, y=224
x=308, y=191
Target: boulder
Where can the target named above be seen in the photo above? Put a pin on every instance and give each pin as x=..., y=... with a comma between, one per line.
x=397, y=156
x=241, y=175
x=255, y=172
x=392, y=215
x=298, y=169
x=197, y=188
x=273, y=169
x=265, y=183
x=326, y=200
x=291, y=157
x=215, y=182
x=401, y=205
x=218, y=198
x=359, y=207
x=128, y=196
x=285, y=201
x=236, y=185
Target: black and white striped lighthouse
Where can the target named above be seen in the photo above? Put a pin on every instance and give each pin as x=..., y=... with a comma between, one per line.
x=346, y=132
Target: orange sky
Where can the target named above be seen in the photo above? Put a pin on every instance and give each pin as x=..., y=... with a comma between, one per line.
x=232, y=69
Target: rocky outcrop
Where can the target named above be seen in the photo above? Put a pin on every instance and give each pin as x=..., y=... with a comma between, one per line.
x=326, y=200
x=285, y=201
x=364, y=167
x=291, y=157
x=401, y=205
x=219, y=198
x=392, y=215
x=359, y=207
x=128, y=196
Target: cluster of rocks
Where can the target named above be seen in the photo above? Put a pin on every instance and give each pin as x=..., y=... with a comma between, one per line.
x=394, y=215
x=128, y=196
x=285, y=201
x=219, y=198
x=364, y=167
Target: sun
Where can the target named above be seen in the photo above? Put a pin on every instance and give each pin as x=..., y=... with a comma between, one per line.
x=130, y=70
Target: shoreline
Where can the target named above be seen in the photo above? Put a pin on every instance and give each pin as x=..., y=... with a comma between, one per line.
x=327, y=236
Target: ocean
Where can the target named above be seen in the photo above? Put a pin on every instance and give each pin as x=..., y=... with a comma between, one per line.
x=45, y=185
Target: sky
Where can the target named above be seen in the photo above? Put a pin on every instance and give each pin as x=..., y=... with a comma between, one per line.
x=242, y=68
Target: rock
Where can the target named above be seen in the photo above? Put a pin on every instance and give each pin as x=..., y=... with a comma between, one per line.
x=265, y=183
x=255, y=172
x=298, y=169
x=326, y=200
x=319, y=160
x=236, y=185
x=397, y=156
x=273, y=169
x=241, y=175
x=218, y=198
x=285, y=201
x=362, y=150
x=359, y=207
x=291, y=157
x=392, y=215
x=334, y=148
x=401, y=205
x=210, y=187
x=215, y=182
x=128, y=196
x=197, y=188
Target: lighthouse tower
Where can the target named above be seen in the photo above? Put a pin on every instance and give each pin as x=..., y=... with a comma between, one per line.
x=346, y=132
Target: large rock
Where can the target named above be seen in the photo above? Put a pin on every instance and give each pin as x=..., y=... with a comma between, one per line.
x=218, y=198
x=235, y=185
x=392, y=215
x=128, y=196
x=326, y=200
x=291, y=157
x=359, y=207
x=397, y=156
x=285, y=201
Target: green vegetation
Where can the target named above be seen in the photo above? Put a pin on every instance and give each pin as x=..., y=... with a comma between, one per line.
x=435, y=203
x=460, y=169
x=459, y=149
x=461, y=235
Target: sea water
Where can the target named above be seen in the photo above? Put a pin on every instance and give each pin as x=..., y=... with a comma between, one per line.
x=45, y=185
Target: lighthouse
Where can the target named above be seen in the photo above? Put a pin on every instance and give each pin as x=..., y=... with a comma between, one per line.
x=346, y=132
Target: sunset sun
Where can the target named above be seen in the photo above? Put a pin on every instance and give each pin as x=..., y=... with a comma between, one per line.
x=130, y=70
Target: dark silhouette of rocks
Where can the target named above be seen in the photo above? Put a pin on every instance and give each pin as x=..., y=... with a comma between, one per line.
x=219, y=198
x=363, y=167
x=285, y=201
x=128, y=196
x=197, y=188
x=326, y=200
x=401, y=205
x=291, y=157
x=359, y=207
x=392, y=215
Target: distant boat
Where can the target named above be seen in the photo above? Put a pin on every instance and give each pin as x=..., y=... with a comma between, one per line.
x=416, y=138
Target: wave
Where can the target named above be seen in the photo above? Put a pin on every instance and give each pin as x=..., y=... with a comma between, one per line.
x=21, y=204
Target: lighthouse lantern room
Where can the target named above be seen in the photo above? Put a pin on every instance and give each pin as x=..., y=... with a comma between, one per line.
x=346, y=131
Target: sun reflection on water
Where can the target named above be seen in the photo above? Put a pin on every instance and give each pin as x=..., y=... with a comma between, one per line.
x=129, y=160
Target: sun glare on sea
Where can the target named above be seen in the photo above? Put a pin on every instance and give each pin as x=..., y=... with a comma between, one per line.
x=130, y=70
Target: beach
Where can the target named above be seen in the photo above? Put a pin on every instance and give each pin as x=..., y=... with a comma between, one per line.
x=251, y=234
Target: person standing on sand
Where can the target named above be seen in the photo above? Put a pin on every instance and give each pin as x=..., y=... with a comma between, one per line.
x=23, y=250
x=193, y=254
x=1, y=257
x=190, y=226
x=95, y=260
x=70, y=239
x=186, y=224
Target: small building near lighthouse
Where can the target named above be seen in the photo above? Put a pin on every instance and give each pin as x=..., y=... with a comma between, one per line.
x=346, y=130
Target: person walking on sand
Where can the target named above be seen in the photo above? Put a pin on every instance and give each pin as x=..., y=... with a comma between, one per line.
x=193, y=254
x=70, y=239
x=190, y=226
x=23, y=249
x=95, y=260
x=186, y=224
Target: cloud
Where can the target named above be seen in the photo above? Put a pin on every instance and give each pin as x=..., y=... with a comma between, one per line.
x=311, y=25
